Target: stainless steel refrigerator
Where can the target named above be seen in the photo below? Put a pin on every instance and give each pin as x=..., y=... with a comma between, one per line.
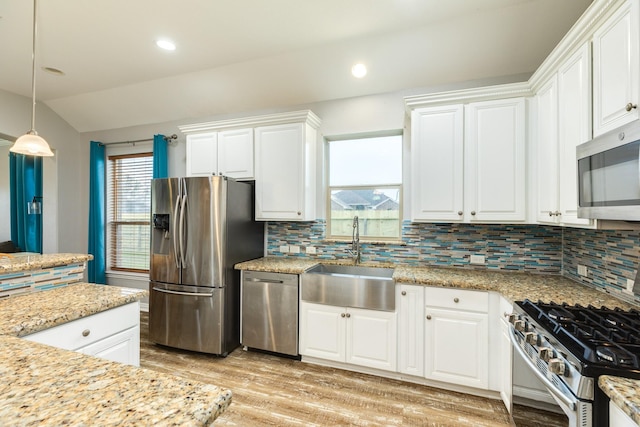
x=201, y=227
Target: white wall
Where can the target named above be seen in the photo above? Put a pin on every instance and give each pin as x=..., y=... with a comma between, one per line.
x=65, y=202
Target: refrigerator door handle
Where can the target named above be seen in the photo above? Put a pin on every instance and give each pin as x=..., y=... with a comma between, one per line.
x=174, y=233
x=183, y=206
x=189, y=294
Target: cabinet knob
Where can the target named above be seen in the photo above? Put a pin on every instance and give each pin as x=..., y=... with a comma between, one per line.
x=403, y=293
x=473, y=213
x=456, y=299
x=428, y=317
x=348, y=315
x=86, y=333
x=460, y=213
x=299, y=213
x=558, y=213
x=550, y=213
x=343, y=315
x=630, y=106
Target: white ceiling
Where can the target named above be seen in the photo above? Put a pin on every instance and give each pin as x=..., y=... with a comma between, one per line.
x=242, y=55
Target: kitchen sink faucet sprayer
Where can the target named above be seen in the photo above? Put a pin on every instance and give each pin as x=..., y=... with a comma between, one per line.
x=355, y=241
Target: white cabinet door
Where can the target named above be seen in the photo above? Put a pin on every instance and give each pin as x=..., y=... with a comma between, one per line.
x=617, y=417
x=547, y=152
x=123, y=347
x=285, y=179
x=495, y=161
x=616, y=70
x=410, y=307
x=456, y=349
x=437, y=163
x=322, y=331
x=202, y=154
x=371, y=338
x=235, y=153
x=574, y=128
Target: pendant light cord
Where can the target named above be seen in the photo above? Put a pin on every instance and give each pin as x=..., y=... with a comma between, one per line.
x=33, y=72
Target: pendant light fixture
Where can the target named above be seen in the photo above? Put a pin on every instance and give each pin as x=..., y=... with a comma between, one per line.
x=30, y=143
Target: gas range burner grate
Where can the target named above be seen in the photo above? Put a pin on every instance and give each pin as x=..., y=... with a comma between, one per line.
x=597, y=336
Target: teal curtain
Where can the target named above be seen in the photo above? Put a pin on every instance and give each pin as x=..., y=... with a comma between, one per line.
x=97, y=214
x=160, y=168
x=25, y=182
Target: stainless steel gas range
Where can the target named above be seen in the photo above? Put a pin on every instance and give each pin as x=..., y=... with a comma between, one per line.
x=569, y=347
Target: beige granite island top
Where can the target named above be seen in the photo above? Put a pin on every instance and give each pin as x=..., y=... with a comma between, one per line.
x=47, y=386
x=624, y=392
x=18, y=262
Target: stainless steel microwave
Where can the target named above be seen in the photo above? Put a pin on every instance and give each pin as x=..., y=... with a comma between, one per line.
x=609, y=175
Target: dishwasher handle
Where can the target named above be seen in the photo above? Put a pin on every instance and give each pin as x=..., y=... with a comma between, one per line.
x=263, y=280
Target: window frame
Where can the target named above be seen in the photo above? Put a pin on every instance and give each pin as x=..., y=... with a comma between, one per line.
x=329, y=188
x=110, y=222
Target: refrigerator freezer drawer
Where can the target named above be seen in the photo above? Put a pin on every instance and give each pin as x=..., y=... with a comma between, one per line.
x=187, y=317
x=270, y=312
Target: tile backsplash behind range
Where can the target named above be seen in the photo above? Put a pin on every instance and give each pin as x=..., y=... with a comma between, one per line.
x=505, y=247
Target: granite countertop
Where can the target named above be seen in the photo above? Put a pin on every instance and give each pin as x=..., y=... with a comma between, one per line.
x=624, y=392
x=19, y=262
x=43, y=385
x=514, y=286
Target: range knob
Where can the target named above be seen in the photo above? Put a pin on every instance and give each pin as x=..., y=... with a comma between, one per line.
x=531, y=338
x=511, y=318
x=557, y=366
x=545, y=353
x=520, y=325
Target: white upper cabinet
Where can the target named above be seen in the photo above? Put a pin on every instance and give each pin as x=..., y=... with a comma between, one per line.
x=202, y=154
x=468, y=162
x=228, y=153
x=563, y=122
x=286, y=170
x=495, y=161
x=437, y=163
x=616, y=70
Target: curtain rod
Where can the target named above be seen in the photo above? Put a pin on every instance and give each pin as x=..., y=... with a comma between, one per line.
x=166, y=138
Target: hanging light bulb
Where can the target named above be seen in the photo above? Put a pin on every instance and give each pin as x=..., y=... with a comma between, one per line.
x=30, y=143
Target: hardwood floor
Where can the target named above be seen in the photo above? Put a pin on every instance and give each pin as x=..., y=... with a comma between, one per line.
x=275, y=391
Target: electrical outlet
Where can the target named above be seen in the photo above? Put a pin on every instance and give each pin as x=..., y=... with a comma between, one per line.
x=582, y=270
x=476, y=259
x=310, y=250
x=284, y=249
x=293, y=249
x=630, y=283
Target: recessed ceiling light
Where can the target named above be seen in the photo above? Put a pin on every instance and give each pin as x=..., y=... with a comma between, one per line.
x=359, y=70
x=54, y=71
x=166, y=44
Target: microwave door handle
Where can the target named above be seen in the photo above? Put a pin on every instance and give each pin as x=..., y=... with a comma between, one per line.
x=174, y=232
x=543, y=378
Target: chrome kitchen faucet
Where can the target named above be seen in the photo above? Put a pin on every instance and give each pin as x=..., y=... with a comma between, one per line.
x=355, y=241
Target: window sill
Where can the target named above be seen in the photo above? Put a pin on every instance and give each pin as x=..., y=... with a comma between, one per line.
x=127, y=275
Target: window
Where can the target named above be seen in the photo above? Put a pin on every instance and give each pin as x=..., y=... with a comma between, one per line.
x=365, y=180
x=129, y=203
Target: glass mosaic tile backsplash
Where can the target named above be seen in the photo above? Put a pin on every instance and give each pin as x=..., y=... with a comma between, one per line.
x=611, y=257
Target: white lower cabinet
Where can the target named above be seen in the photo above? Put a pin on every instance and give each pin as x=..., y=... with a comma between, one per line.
x=456, y=337
x=617, y=417
x=349, y=335
x=410, y=308
x=112, y=334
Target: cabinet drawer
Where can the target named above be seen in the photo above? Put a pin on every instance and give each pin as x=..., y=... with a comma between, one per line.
x=85, y=331
x=459, y=299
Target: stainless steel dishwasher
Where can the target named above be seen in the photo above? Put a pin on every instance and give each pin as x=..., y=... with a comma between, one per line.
x=269, y=313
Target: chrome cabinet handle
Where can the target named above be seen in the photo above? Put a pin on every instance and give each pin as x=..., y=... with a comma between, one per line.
x=86, y=333
x=456, y=299
x=428, y=317
x=403, y=293
x=630, y=106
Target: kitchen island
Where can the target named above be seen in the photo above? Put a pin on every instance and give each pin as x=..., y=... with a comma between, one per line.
x=44, y=385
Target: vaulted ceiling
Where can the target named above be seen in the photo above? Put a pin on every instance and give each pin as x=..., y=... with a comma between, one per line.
x=244, y=55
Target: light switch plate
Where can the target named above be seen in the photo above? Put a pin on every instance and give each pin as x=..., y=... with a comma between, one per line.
x=582, y=270
x=294, y=249
x=630, y=283
x=284, y=249
x=310, y=250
